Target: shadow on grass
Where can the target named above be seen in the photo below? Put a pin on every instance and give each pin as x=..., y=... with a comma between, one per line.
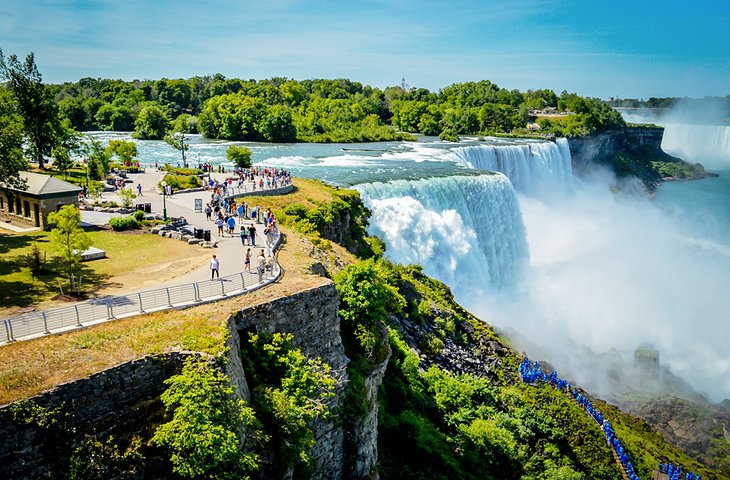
x=9, y=242
x=30, y=290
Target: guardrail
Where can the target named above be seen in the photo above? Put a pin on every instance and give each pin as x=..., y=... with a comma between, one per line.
x=90, y=312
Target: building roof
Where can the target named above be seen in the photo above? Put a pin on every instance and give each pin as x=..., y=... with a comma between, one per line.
x=41, y=185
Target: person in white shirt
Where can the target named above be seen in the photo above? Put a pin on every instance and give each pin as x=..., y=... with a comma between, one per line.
x=214, y=266
x=261, y=265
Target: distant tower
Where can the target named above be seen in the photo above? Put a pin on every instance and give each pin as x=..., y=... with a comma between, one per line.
x=403, y=84
x=646, y=360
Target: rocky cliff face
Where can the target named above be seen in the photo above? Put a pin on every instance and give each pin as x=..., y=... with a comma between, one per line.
x=626, y=152
x=699, y=428
x=313, y=317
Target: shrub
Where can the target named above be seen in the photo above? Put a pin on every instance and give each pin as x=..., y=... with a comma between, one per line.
x=138, y=215
x=182, y=182
x=127, y=195
x=202, y=436
x=289, y=392
x=123, y=223
x=180, y=170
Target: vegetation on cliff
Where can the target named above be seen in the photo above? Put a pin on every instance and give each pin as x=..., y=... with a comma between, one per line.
x=452, y=406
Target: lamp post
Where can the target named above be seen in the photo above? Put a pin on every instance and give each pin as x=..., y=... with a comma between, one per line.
x=164, y=202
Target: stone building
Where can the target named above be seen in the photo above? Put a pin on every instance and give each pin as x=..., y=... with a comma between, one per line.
x=31, y=206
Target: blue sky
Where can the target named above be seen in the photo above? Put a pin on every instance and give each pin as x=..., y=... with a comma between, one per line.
x=638, y=48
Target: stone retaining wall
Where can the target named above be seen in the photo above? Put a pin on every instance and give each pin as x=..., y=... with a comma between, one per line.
x=91, y=405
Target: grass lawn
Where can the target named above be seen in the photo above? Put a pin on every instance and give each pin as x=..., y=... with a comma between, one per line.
x=135, y=260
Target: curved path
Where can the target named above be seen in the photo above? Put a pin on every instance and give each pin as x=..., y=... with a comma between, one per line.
x=188, y=289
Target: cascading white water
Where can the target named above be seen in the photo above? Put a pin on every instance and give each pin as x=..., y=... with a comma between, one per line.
x=705, y=144
x=466, y=231
x=531, y=167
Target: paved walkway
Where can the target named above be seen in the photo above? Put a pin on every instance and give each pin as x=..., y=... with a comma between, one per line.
x=187, y=289
x=230, y=251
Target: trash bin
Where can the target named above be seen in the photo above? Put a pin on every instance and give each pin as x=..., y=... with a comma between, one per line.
x=147, y=208
x=139, y=206
x=206, y=235
x=198, y=232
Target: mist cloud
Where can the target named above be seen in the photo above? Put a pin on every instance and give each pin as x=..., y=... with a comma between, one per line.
x=613, y=273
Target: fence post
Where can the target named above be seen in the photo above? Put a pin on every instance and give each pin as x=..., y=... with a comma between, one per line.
x=169, y=302
x=243, y=282
x=110, y=309
x=78, y=317
x=223, y=287
x=139, y=296
x=45, y=323
x=196, y=289
x=9, y=329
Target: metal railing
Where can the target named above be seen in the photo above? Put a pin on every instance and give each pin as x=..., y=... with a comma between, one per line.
x=98, y=310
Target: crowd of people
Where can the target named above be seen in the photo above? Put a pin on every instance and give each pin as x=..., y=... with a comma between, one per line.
x=675, y=472
x=235, y=217
x=257, y=178
x=532, y=373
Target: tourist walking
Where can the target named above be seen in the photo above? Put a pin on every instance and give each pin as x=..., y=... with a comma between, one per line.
x=247, y=261
x=220, y=226
x=269, y=264
x=139, y=189
x=244, y=235
x=261, y=265
x=252, y=235
x=231, y=225
x=214, y=266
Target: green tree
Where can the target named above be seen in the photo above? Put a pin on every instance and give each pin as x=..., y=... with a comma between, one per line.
x=125, y=150
x=11, y=141
x=240, y=156
x=42, y=123
x=152, y=123
x=185, y=123
x=127, y=195
x=364, y=301
x=290, y=391
x=179, y=141
x=61, y=159
x=202, y=436
x=68, y=239
x=98, y=160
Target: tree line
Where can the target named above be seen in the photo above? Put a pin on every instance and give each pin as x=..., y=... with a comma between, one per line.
x=40, y=121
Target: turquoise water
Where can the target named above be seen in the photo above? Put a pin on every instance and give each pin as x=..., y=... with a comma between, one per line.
x=342, y=164
x=701, y=206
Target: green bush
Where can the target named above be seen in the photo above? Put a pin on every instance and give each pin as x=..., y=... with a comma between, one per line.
x=182, y=182
x=123, y=223
x=138, y=215
x=203, y=435
x=180, y=170
x=289, y=391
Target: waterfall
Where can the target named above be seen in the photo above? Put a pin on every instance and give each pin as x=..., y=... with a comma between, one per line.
x=466, y=231
x=705, y=144
x=532, y=167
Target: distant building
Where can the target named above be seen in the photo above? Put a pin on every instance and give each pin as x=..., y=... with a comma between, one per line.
x=31, y=206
